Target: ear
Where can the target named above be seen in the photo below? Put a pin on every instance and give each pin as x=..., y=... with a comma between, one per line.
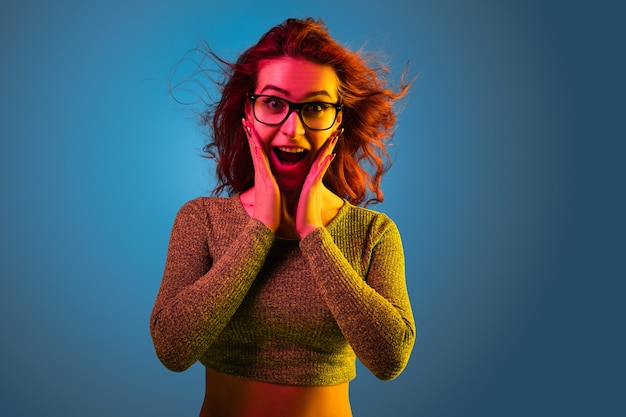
x=247, y=110
x=339, y=118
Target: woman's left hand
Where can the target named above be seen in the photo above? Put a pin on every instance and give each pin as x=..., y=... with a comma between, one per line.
x=309, y=209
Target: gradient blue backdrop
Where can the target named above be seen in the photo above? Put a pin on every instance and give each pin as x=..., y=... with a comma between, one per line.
x=508, y=188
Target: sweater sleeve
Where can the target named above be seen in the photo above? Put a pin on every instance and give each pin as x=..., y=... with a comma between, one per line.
x=197, y=296
x=373, y=312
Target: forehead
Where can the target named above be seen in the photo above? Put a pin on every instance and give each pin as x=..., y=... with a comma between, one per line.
x=297, y=78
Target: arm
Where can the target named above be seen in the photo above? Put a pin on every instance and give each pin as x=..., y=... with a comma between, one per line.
x=374, y=313
x=197, y=296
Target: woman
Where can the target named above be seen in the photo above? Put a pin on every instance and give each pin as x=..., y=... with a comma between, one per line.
x=277, y=288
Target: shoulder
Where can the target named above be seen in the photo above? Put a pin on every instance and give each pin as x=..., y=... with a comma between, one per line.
x=367, y=216
x=359, y=221
x=214, y=218
x=211, y=210
x=210, y=206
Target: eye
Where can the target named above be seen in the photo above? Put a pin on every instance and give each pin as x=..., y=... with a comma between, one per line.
x=274, y=104
x=315, y=109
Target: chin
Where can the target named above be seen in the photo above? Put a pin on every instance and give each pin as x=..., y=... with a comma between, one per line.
x=290, y=184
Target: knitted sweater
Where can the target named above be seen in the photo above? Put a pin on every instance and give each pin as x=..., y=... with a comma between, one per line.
x=247, y=303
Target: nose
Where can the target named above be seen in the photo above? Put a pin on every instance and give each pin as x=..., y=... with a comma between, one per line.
x=293, y=126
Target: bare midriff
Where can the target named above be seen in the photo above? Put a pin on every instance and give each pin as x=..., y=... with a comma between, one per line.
x=229, y=396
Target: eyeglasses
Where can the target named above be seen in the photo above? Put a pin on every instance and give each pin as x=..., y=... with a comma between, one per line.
x=316, y=115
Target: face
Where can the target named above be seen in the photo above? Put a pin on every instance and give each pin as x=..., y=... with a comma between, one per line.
x=291, y=146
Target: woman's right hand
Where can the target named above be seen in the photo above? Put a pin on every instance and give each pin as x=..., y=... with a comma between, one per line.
x=266, y=191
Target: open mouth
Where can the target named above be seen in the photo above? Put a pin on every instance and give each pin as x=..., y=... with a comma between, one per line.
x=289, y=156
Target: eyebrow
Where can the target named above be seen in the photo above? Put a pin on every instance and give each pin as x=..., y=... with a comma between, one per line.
x=286, y=93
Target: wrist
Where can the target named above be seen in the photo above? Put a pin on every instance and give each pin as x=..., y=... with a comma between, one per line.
x=307, y=230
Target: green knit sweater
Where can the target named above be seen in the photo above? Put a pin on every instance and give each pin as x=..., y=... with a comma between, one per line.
x=247, y=303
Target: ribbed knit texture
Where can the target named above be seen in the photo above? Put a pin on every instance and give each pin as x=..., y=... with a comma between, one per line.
x=246, y=303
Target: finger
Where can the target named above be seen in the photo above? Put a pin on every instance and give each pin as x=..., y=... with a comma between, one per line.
x=331, y=143
x=332, y=140
x=335, y=137
x=249, y=134
x=327, y=161
x=251, y=144
x=319, y=170
x=254, y=142
x=260, y=160
x=328, y=148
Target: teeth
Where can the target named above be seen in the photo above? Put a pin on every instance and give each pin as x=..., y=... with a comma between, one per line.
x=291, y=150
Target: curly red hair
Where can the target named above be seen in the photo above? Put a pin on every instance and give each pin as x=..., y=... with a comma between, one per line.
x=368, y=115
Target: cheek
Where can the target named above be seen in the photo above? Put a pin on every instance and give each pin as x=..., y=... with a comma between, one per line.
x=265, y=133
x=318, y=141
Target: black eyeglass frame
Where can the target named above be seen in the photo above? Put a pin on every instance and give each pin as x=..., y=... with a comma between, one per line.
x=295, y=106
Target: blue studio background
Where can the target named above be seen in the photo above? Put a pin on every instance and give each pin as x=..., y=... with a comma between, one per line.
x=507, y=186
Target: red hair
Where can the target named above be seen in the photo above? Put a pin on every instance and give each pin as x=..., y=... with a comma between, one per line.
x=368, y=114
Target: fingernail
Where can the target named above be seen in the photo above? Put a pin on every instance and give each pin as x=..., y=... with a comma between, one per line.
x=244, y=122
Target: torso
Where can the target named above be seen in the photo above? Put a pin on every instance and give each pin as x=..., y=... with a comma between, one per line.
x=229, y=396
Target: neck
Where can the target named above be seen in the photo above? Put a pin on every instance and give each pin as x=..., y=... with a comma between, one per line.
x=289, y=202
x=288, y=205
